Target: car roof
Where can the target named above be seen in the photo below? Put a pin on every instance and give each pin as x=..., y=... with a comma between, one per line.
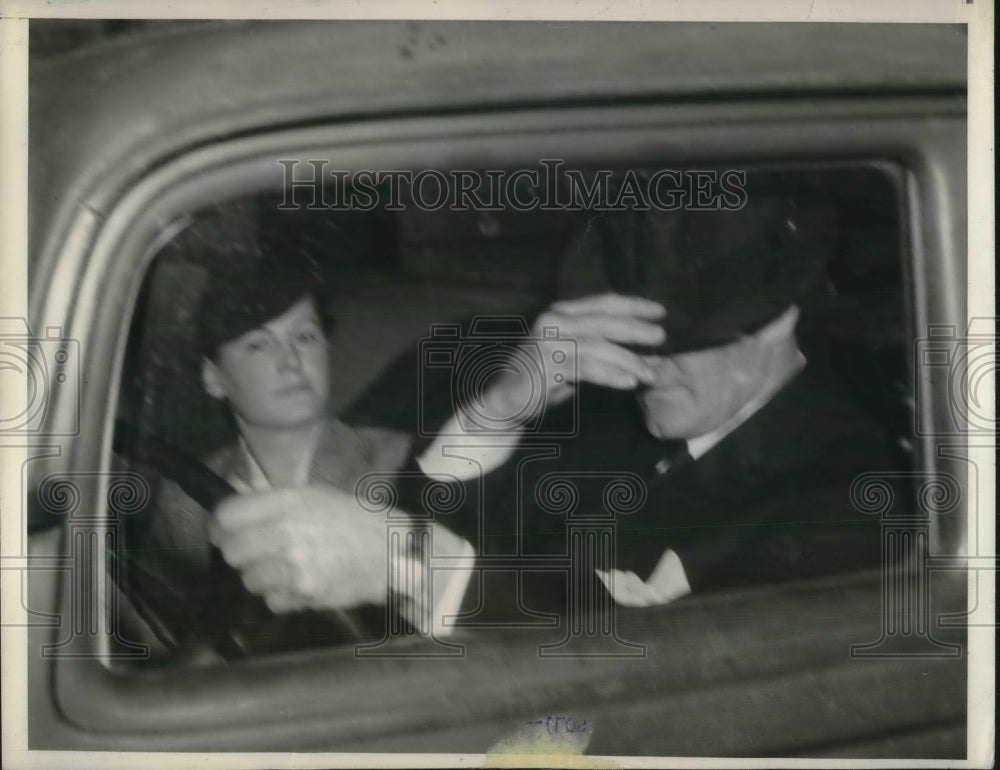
x=115, y=108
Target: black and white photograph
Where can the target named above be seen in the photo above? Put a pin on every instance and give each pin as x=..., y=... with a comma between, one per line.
x=459, y=388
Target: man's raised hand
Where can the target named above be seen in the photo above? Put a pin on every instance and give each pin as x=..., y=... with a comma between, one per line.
x=599, y=326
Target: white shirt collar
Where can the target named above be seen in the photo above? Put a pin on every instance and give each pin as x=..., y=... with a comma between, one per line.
x=699, y=446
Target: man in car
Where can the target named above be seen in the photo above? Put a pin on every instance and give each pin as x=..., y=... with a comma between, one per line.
x=745, y=448
x=263, y=335
x=690, y=376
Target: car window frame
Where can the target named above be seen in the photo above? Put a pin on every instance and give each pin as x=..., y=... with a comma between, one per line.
x=103, y=261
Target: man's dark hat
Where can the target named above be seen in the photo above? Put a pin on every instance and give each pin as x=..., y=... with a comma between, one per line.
x=720, y=274
x=238, y=301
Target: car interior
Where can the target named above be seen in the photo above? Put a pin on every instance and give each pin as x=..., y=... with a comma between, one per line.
x=392, y=274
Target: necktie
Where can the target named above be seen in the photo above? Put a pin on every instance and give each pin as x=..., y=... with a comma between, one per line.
x=671, y=459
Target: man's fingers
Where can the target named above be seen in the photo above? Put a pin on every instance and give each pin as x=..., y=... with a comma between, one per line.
x=623, y=329
x=605, y=363
x=610, y=377
x=611, y=304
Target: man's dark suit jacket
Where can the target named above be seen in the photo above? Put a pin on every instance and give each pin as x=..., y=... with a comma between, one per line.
x=770, y=502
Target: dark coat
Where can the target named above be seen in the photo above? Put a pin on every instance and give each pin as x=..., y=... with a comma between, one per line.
x=769, y=503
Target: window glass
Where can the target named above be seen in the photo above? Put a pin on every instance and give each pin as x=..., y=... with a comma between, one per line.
x=392, y=271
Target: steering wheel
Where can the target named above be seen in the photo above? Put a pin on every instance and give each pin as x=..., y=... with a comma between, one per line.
x=214, y=611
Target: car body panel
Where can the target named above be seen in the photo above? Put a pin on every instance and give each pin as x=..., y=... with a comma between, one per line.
x=124, y=136
x=94, y=115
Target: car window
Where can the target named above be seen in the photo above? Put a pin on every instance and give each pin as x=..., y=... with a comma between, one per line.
x=393, y=269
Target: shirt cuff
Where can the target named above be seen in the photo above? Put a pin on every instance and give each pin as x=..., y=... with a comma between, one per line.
x=451, y=576
x=455, y=454
x=439, y=579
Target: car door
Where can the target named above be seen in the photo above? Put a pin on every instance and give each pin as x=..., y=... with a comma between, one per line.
x=724, y=661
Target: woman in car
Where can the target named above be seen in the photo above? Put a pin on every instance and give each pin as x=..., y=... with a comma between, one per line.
x=263, y=339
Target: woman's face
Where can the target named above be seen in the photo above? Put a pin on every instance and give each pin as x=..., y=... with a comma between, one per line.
x=276, y=375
